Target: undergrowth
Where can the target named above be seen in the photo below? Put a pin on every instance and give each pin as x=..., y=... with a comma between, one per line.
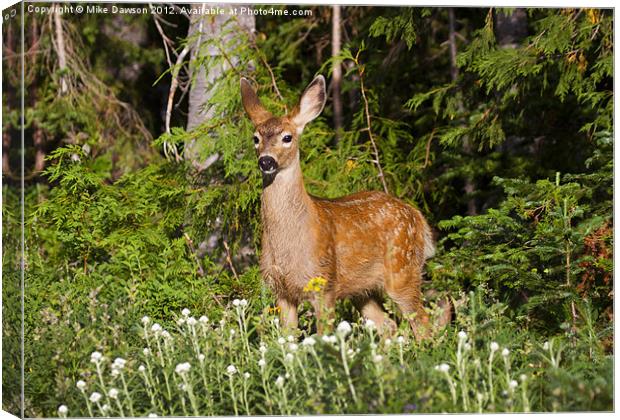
x=244, y=363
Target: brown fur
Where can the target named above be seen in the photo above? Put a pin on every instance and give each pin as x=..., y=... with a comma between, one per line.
x=364, y=244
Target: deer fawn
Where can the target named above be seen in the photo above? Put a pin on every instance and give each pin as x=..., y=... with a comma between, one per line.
x=362, y=244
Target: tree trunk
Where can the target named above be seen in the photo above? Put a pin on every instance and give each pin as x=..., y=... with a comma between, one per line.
x=337, y=70
x=511, y=28
x=206, y=28
x=6, y=145
x=470, y=185
x=39, y=144
x=60, y=47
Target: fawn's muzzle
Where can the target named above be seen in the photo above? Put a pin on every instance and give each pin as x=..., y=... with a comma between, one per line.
x=267, y=164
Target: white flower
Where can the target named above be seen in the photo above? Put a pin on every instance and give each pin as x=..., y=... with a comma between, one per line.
x=141, y=368
x=113, y=393
x=444, y=367
x=290, y=338
x=350, y=352
x=183, y=387
x=105, y=408
x=373, y=346
x=262, y=363
x=119, y=363
x=152, y=415
x=63, y=410
x=280, y=382
x=232, y=331
x=309, y=341
x=289, y=357
x=166, y=335
x=262, y=349
x=343, y=329
x=146, y=351
x=378, y=358
x=388, y=342
x=95, y=397
x=185, y=312
x=95, y=357
x=293, y=347
x=546, y=345
x=156, y=328
x=231, y=369
x=243, y=302
x=182, y=368
x=180, y=321
x=505, y=352
x=246, y=375
x=276, y=321
x=146, y=320
x=369, y=324
x=281, y=341
x=523, y=377
x=512, y=384
x=329, y=339
x=236, y=302
x=191, y=321
x=115, y=372
x=203, y=320
x=400, y=339
x=494, y=346
x=81, y=385
x=201, y=357
x=462, y=335
x=467, y=347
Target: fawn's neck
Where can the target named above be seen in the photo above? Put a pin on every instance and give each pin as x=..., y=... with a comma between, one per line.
x=286, y=206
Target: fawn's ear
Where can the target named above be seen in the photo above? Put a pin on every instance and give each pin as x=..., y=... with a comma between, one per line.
x=311, y=103
x=252, y=105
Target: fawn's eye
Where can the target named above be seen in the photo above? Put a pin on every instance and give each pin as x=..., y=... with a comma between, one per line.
x=256, y=140
x=287, y=139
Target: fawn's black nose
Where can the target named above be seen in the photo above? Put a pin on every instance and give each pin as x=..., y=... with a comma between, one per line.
x=267, y=164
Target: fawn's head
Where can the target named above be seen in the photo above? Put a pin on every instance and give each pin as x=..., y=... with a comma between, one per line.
x=276, y=139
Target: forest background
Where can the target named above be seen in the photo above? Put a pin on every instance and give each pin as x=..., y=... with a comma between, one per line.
x=142, y=193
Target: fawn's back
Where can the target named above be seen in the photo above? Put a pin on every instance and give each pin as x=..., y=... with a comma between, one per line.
x=369, y=236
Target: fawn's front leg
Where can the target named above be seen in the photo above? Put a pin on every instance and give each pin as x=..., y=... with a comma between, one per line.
x=288, y=314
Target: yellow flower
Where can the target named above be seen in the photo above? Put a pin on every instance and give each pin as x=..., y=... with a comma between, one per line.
x=351, y=164
x=315, y=284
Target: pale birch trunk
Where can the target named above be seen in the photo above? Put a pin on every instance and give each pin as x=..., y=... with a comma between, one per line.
x=206, y=28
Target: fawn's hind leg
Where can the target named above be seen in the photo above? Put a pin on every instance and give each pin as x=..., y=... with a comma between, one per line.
x=371, y=309
x=405, y=288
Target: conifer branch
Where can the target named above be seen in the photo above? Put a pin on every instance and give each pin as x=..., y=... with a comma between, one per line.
x=263, y=60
